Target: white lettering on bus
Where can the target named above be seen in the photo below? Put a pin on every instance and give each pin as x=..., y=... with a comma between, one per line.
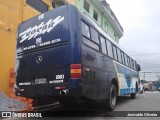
x=25, y=83
x=55, y=81
x=42, y=28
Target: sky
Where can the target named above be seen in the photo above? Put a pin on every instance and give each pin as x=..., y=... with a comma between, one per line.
x=141, y=40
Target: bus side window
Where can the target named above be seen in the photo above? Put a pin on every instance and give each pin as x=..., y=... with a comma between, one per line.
x=132, y=64
x=123, y=60
x=94, y=35
x=85, y=29
x=90, y=43
x=115, y=52
x=87, y=37
x=126, y=59
x=109, y=49
x=119, y=55
x=103, y=45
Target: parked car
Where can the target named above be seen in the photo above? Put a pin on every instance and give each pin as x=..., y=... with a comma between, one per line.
x=141, y=88
x=158, y=88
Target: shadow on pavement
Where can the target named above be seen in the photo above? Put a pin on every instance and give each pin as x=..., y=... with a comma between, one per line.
x=87, y=109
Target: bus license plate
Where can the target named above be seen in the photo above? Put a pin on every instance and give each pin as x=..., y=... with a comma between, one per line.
x=41, y=81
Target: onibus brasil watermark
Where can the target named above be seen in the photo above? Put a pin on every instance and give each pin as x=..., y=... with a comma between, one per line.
x=21, y=114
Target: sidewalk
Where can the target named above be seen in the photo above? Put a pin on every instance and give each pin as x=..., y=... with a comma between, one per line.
x=9, y=104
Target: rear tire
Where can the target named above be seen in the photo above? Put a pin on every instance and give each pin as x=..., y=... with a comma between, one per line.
x=110, y=103
x=133, y=95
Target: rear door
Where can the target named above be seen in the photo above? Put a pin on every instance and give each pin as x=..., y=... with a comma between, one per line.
x=43, y=49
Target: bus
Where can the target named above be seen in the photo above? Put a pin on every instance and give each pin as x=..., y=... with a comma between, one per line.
x=63, y=55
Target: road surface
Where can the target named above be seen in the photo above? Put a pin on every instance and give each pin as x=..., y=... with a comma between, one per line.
x=148, y=101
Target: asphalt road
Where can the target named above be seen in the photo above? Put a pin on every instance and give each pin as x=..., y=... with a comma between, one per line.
x=148, y=101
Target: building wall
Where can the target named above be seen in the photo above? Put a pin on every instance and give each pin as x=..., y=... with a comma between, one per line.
x=101, y=18
x=110, y=30
x=10, y=12
x=74, y=2
x=29, y=11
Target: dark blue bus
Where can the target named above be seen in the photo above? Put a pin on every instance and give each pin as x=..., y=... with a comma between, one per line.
x=62, y=54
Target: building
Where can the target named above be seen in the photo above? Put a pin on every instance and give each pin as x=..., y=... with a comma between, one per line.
x=13, y=12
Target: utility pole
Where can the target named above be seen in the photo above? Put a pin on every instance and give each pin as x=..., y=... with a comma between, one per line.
x=158, y=77
x=158, y=83
x=144, y=74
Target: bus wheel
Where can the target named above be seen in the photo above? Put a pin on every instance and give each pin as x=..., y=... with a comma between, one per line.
x=111, y=101
x=133, y=95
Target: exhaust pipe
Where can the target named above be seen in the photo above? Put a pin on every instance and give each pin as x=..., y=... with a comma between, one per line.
x=64, y=92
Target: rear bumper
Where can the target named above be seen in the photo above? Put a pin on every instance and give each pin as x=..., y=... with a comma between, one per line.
x=47, y=91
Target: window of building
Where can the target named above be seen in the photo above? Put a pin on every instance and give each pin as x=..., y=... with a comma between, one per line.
x=95, y=15
x=106, y=26
x=109, y=49
x=38, y=5
x=115, y=52
x=85, y=29
x=103, y=45
x=90, y=43
x=94, y=35
x=86, y=6
x=119, y=55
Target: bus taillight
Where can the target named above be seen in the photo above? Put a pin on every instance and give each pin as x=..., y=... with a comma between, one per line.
x=76, y=71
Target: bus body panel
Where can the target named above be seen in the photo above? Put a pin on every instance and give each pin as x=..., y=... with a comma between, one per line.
x=90, y=72
x=127, y=79
x=98, y=73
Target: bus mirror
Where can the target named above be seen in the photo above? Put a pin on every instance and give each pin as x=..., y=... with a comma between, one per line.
x=138, y=67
